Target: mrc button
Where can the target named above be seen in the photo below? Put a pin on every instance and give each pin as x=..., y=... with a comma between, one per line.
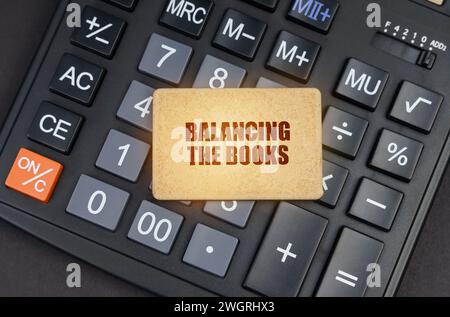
x=55, y=127
x=188, y=17
x=77, y=79
x=362, y=83
x=314, y=14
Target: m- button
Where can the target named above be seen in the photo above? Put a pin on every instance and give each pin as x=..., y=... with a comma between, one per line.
x=55, y=127
x=77, y=79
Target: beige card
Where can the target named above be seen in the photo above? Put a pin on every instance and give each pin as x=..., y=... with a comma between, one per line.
x=237, y=144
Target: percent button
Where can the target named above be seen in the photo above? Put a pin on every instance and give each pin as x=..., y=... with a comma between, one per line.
x=34, y=175
x=397, y=155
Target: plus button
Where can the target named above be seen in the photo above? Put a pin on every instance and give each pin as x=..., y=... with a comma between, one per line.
x=286, y=253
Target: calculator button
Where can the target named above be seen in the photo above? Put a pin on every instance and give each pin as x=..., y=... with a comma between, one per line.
x=34, y=175
x=346, y=274
x=268, y=83
x=397, y=155
x=136, y=107
x=286, y=252
x=77, y=79
x=416, y=106
x=240, y=34
x=55, y=127
x=165, y=59
x=376, y=204
x=235, y=212
x=99, y=32
x=362, y=83
x=293, y=56
x=123, y=155
x=343, y=132
x=98, y=202
x=216, y=73
x=155, y=227
x=123, y=4
x=188, y=17
x=334, y=178
x=210, y=250
x=269, y=5
x=315, y=14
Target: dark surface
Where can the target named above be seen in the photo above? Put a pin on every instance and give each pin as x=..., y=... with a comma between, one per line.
x=30, y=267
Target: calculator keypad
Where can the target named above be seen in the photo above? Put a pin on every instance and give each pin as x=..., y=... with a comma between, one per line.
x=216, y=73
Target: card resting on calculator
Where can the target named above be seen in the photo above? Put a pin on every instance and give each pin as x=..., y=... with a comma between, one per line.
x=237, y=144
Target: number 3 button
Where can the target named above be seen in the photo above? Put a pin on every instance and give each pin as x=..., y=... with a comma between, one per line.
x=123, y=155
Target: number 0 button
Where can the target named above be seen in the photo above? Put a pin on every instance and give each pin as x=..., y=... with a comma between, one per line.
x=155, y=227
x=123, y=155
x=98, y=202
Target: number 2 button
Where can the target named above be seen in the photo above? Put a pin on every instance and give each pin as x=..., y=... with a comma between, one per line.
x=123, y=156
x=165, y=59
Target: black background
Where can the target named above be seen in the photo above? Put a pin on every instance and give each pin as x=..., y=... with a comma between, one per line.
x=29, y=267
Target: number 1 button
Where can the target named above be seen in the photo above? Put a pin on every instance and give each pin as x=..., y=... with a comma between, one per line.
x=123, y=155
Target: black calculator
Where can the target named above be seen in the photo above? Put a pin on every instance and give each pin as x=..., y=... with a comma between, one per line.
x=76, y=149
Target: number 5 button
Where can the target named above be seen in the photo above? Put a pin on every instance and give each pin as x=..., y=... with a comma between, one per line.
x=123, y=155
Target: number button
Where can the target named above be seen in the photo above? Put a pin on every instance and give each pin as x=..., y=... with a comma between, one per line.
x=98, y=202
x=123, y=155
x=293, y=56
x=99, y=32
x=268, y=83
x=155, y=227
x=77, y=79
x=216, y=73
x=165, y=59
x=55, y=127
x=235, y=212
x=397, y=155
x=416, y=106
x=136, y=107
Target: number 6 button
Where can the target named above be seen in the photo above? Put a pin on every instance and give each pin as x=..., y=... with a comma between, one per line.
x=123, y=155
x=155, y=227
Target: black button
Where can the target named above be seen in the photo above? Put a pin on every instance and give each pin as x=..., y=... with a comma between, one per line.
x=269, y=5
x=124, y=4
x=334, y=178
x=376, y=204
x=397, y=155
x=362, y=83
x=286, y=252
x=187, y=17
x=317, y=14
x=343, y=132
x=240, y=34
x=55, y=127
x=77, y=79
x=293, y=56
x=346, y=274
x=416, y=106
x=99, y=32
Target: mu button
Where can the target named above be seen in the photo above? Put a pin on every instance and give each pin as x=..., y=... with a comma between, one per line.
x=34, y=175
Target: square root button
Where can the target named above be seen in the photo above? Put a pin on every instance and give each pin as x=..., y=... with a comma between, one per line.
x=210, y=250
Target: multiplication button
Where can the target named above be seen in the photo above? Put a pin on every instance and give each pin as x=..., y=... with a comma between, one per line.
x=334, y=178
x=99, y=32
x=397, y=155
x=416, y=106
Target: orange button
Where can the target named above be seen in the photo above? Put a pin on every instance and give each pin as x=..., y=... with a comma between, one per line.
x=34, y=175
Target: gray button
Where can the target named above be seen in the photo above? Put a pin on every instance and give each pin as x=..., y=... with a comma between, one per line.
x=165, y=59
x=123, y=155
x=98, y=202
x=267, y=83
x=234, y=212
x=216, y=73
x=136, y=107
x=210, y=250
x=155, y=227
